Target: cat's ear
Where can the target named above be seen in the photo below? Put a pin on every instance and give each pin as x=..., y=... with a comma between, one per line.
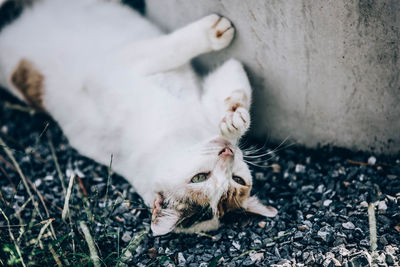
x=163, y=218
x=253, y=205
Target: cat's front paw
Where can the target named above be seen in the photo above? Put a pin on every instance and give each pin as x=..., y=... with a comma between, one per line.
x=235, y=123
x=221, y=32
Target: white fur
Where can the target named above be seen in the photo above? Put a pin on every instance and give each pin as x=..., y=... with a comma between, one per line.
x=117, y=85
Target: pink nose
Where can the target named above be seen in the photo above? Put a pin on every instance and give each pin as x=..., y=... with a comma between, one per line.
x=226, y=152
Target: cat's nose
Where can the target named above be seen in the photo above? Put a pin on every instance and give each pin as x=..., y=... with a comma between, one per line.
x=226, y=152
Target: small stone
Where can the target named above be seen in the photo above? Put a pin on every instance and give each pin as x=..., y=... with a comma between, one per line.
x=325, y=233
x=303, y=227
x=307, y=187
x=257, y=257
x=364, y=242
x=327, y=202
x=259, y=176
x=383, y=240
x=382, y=207
x=257, y=242
x=38, y=182
x=181, y=259
x=320, y=189
x=126, y=237
x=363, y=259
x=336, y=262
x=390, y=260
x=371, y=160
x=300, y=168
x=308, y=224
x=262, y=224
x=236, y=245
x=364, y=204
x=298, y=235
x=248, y=262
x=49, y=178
x=276, y=168
x=344, y=251
x=206, y=257
x=348, y=226
x=152, y=253
x=127, y=256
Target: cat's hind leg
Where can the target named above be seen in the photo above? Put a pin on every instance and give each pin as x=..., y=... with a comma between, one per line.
x=227, y=99
x=176, y=49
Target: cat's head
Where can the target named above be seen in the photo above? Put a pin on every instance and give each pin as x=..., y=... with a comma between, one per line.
x=200, y=186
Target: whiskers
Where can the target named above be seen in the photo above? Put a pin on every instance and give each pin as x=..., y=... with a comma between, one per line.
x=210, y=150
x=256, y=156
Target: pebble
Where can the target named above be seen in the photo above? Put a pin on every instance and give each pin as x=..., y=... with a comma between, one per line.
x=327, y=202
x=371, y=160
x=262, y=224
x=325, y=233
x=348, y=226
x=382, y=206
x=276, y=168
x=181, y=259
x=38, y=182
x=303, y=227
x=257, y=257
x=236, y=245
x=300, y=168
x=127, y=236
x=363, y=259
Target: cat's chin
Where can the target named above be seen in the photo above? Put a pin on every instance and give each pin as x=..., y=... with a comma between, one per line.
x=204, y=226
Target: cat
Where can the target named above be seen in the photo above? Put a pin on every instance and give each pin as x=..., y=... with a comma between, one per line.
x=117, y=85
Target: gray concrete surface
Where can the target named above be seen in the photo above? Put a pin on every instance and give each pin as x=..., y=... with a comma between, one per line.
x=323, y=72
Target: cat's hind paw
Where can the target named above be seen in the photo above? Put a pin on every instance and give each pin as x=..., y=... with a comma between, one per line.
x=235, y=124
x=221, y=32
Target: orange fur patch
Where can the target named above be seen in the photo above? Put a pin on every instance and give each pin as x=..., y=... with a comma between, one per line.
x=29, y=82
x=233, y=199
x=198, y=198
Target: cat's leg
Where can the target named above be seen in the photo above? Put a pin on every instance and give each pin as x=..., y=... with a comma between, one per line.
x=179, y=47
x=227, y=99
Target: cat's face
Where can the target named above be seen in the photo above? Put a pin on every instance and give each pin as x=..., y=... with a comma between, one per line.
x=201, y=185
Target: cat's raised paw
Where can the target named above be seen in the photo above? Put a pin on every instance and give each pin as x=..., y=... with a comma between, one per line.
x=221, y=32
x=235, y=124
x=238, y=98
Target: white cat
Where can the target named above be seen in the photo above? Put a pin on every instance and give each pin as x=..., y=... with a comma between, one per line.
x=117, y=85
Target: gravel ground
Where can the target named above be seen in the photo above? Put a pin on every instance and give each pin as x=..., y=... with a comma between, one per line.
x=322, y=196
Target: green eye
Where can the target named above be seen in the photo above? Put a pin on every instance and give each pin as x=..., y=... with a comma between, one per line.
x=200, y=177
x=239, y=180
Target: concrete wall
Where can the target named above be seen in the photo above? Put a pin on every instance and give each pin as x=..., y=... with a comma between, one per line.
x=323, y=71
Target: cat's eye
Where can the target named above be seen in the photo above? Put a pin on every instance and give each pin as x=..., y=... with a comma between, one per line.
x=238, y=180
x=200, y=177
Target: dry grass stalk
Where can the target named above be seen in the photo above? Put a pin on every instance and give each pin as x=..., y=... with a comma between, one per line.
x=23, y=178
x=372, y=226
x=44, y=227
x=44, y=206
x=53, y=154
x=89, y=240
x=65, y=211
x=13, y=238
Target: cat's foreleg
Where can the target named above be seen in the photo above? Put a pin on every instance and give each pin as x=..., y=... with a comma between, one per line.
x=179, y=47
x=227, y=99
